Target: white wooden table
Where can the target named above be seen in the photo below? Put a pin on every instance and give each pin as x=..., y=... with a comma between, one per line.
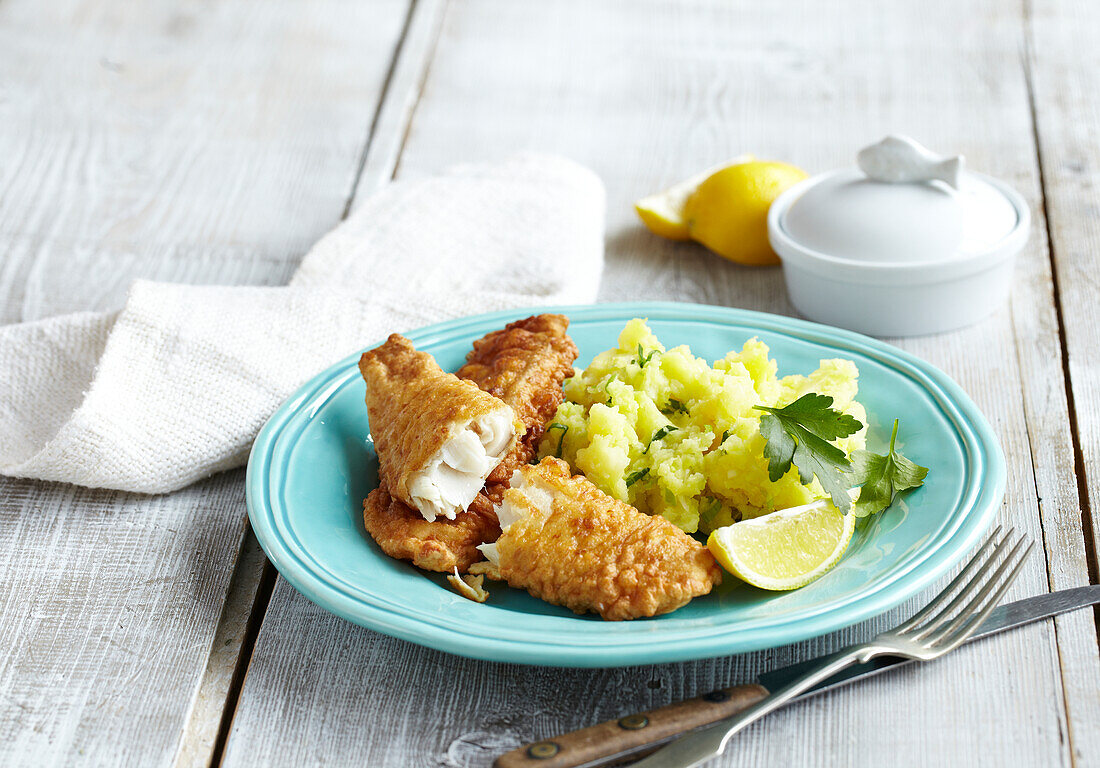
x=213, y=142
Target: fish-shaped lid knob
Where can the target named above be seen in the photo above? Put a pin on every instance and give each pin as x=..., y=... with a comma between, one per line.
x=900, y=159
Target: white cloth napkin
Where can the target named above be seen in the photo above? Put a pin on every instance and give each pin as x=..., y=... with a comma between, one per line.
x=175, y=386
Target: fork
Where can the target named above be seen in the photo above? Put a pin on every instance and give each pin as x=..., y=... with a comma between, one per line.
x=941, y=626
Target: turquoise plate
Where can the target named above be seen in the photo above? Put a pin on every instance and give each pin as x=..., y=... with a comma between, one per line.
x=312, y=464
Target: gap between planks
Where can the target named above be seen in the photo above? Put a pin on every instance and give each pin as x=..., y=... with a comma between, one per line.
x=244, y=658
x=378, y=107
x=210, y=720
x=397, y=108
x=245, y=603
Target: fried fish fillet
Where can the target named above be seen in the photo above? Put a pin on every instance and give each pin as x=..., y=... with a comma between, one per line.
x=524, y=364
x=567, y=542
x=441, y=545
x=438, y=438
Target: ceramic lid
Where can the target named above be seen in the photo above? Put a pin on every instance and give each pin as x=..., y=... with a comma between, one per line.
x=904, y=207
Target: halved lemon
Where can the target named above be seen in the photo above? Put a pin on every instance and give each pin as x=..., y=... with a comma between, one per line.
x=663, y=213
x=786, y=549
x=728, y=211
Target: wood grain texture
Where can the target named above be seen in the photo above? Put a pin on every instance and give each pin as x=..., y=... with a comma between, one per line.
x=108, y=607
x=1065, y=77
x=647, y=93
x=177, y=140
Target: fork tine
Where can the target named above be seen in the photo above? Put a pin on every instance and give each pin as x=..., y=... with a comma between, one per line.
x=979, y=608
x=996, y=583
x=968, y=589
x=964, y=574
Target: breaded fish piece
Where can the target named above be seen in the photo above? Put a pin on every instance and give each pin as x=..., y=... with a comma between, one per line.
x=567, y=542
x=524, y=364
x=441, y=545
x=438, y=438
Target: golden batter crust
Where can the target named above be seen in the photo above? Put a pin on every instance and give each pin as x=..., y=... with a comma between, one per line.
x=524, y=364
x=414, y=407
x=592, y=552
x=441, y=545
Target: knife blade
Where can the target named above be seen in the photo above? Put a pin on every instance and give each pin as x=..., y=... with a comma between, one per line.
x=634, y=736
x=1005, y=617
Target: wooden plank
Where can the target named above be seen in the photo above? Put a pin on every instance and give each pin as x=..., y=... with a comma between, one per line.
x=178, y=141
x=108, y=608
x=1065, y=75
x=647, y=94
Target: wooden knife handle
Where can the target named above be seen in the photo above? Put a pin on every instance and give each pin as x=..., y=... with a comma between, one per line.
x=597, y=744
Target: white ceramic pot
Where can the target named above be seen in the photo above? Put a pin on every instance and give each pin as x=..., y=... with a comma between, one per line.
x=903, y=254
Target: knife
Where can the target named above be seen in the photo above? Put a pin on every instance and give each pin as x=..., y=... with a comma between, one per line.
x=634, y=736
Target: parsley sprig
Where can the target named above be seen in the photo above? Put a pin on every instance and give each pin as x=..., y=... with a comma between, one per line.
x=800, y=434
x=883, y=477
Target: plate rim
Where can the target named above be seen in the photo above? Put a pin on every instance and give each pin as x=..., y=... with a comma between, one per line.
x=989, y=466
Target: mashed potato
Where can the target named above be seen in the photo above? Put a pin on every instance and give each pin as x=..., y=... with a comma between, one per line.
x=672, y=435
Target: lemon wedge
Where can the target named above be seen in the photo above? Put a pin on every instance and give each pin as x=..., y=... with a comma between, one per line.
x=786, y=549
x=663, y=213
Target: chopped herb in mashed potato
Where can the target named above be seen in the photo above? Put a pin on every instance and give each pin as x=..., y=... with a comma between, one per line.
x=672, y=435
